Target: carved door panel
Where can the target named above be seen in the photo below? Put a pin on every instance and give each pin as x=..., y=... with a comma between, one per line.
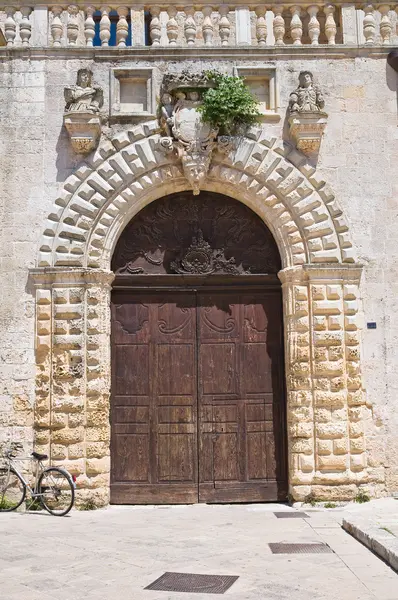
x=154, y=401
x=241, y=426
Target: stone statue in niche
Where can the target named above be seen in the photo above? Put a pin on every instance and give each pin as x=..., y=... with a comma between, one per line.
x=83, y=97
x=307, y=120
x=186, y=135
x=306, y=97
x=81, y=117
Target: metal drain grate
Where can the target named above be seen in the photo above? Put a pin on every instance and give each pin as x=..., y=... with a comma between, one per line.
x=192, y=583
x=282, y=548
x=291, y=515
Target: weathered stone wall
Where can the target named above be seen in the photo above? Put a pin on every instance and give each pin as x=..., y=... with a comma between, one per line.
x=358, y=158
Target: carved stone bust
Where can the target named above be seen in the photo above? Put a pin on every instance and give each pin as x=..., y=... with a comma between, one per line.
x=307, y=97
x=83, y=97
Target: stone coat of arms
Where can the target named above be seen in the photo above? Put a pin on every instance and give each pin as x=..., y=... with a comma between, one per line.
x=192, y=140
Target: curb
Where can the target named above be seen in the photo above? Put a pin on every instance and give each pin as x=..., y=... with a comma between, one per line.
x=370, y=534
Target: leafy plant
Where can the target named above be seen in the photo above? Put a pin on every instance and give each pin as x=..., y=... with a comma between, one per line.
x=310, y=499
x=87, y=505
x=229, y=105
x=330, y=505
x=361, y=497
x=33, y=504
x=6, y=504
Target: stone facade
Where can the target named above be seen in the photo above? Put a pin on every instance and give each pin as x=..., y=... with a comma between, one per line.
x=332, y=216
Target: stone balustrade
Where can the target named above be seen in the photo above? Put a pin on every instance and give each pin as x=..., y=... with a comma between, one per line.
x=210, y=25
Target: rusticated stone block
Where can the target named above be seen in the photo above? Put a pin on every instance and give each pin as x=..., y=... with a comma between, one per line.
x=357, y=445
x=68, y=436
x=329, y=368
x=303, y=414
x=58, y=452
x=335, y=352
x=329, y=338
x=301, y=430
x=321, y=354
x=332, y=463
x=75, y=451
x=97, y=434
x=340, y=446
x=68, y=404
x=97, y=419
x=76, y=419
x=95, y=466
x=356, y=429
x=358, y=462
x=302, y=446
x=74, y=467
x=331, y=430
x=322, y=415
x=307, y=463
x=324, y=447
x=97, y=450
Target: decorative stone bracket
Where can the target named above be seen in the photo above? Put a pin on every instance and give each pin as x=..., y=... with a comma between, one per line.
x=306, y=129
x=84, y=130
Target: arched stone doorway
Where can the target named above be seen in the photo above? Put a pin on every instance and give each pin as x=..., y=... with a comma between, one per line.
x=320, y=290
x=197, y=403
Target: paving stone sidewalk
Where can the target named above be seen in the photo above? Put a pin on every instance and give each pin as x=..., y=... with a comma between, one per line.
x=116, y=552
x=375, y=524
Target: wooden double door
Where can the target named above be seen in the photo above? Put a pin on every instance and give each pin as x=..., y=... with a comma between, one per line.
x=197, y=409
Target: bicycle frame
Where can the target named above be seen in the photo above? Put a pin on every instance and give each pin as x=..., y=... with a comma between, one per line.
x=39, y=470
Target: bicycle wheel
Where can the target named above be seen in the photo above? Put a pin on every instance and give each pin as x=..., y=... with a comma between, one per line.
x=57, y=492
x=12, y=490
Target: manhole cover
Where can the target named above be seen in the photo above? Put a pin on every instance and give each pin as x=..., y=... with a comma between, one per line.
x=291, y=515
x=192, y=583
x=282, y=548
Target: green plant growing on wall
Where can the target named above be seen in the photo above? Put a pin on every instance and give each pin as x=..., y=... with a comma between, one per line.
x=229, y=106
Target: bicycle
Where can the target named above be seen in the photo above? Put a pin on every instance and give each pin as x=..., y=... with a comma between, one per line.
x=54, y=487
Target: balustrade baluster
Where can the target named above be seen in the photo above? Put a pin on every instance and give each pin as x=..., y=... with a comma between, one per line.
x=25, y=27
x=122, y=27
x=314, y=28
x=385, y=23
x=155, y=29
x=278, y=25
x=89, y=26
x=369, y=24
x=224, y=26
x=105, y=26
x=57, y=28
x=261, y=26
x=208, y=27
x=72, y=28
x=172, y=26
x=296, y=26
x=10, y=25
x=190, y=26
x=330, y=25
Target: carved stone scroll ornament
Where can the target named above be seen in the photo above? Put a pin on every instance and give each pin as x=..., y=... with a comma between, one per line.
x=81, y=117
x=187, y=136
x=307, y=120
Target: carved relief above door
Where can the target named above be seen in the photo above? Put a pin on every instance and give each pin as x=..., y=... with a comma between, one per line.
x=209, y=234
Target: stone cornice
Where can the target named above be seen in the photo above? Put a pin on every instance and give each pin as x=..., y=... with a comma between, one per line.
x=150, y=53
x=343, y=273
x=69, y=276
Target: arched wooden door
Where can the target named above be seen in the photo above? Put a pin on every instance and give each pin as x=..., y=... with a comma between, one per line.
x=197, y=407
